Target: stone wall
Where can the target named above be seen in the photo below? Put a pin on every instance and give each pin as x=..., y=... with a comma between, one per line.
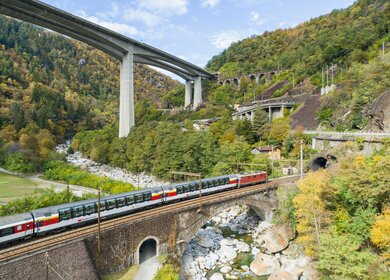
x=69, y=261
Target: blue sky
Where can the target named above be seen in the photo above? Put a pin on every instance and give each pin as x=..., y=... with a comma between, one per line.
x=196, y=30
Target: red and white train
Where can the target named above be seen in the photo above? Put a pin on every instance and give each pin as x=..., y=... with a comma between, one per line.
x=59, y=217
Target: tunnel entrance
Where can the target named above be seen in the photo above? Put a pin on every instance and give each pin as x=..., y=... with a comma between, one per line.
x=319, y=163
x=147, y=250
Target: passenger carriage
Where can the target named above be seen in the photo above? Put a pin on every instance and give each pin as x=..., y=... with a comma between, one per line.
x=16, y=227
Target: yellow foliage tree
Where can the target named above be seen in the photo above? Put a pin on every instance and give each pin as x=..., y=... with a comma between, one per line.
x=310, y=213
x=380, y=232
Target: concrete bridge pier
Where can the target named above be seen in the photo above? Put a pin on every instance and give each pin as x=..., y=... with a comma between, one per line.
x=126, y=100
x=197, y=92
x=188, y=93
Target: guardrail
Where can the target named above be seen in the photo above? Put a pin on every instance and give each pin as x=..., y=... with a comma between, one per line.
x=352, y=134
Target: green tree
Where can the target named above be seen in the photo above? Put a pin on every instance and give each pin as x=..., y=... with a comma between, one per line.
x=341, y=258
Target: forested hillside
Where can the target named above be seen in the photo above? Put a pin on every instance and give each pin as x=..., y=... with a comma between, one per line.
x=350, y=39
x=52, y=87
x=341, y=37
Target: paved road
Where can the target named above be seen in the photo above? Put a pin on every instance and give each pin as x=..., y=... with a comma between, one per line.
x=148, y=269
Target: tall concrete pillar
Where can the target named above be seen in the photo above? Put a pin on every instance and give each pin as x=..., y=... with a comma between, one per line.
x=188, y=94
x=269, y=113
x=126, y=99
x=197, y=92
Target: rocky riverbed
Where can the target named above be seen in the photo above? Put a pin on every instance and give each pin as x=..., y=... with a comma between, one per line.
x=237, y=245
x=142, y=180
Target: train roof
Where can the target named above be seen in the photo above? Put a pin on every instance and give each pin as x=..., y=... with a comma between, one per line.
x=43, y=211
x=15, y=218
x=197, y=181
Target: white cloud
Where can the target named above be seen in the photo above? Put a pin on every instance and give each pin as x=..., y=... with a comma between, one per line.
x=143, y=16
x=178, y=7
x=255, y=19
x=209, y=3
x=226, y=38
x=118, y=27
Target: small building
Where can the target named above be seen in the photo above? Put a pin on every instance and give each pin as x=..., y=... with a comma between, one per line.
x=289, y=170
x=273, y=154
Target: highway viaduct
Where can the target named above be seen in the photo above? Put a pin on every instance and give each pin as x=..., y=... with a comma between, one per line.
x=128, y=51
x=127, y=240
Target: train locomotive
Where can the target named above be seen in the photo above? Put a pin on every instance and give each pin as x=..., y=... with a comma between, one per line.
x=71, y=215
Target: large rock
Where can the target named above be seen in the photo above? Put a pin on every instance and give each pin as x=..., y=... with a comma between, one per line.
x=276, y=238
x=227, y=253
x=205, y=240
x=243, y=247
x=225, y=269
x=217, y=276
x=264, y=265
x=285, y=275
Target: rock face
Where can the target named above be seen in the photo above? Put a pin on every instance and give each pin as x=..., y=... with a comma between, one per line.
x=264, y=264
x=276, y=238
x=238, y=235
x=379, y=114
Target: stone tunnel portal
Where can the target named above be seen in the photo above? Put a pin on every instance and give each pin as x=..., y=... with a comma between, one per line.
x=319, y=163
x=147, y=250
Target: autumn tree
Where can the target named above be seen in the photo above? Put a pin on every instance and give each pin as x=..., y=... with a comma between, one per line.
x=311, y=214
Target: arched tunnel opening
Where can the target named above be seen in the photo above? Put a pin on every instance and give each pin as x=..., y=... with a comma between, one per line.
x=319, y=163
x=147, y=250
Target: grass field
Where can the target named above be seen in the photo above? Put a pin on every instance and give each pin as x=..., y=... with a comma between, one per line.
x=12, y=187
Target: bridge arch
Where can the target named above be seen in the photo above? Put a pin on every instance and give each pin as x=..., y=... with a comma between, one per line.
x=227, y=82
x=236, y=81
x=263, y=204
x=147, y=248
x=252, y=78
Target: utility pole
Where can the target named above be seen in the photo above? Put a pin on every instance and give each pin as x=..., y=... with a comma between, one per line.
x=301, y=161
x=383, y=51
x=272, y=162
x=332, y=73
x=47, y=266
x=327, y=75
x=98, y=237
x=293, y=80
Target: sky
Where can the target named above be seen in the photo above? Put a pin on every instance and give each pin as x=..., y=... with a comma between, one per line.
x=196, y=30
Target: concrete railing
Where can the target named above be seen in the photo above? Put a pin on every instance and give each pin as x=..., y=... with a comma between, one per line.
x=348, y=134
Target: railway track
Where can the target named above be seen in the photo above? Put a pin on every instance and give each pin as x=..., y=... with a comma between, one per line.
x=36, y=244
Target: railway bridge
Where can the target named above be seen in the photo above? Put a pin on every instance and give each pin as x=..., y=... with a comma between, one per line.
x=130, y=239
x=128, y=51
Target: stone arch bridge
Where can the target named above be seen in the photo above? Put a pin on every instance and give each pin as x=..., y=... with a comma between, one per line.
x=167, y=232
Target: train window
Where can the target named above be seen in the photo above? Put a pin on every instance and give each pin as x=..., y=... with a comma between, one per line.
x=19, y=228
x=78, y=211
x=147, y=196
x=186, y=188
x=48, y=214
x=204, y=185
x=130, y=199
x=139, y=198
x=90, y=209
x=111, y=204
x=102, y=206
x=6, y=231
x=179, y=189
x=120, y=201
x=227, y=181
x=64, y=214
x=192, y=187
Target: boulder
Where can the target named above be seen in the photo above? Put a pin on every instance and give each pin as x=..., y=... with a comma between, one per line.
x=243, y=247
x=227, y=253
x=205, y=241
x=310, y=273
x=264, y=265
x=225, y=269
x=227, y=242
x=280, y=274
x=276, y=238
x=217, y=276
